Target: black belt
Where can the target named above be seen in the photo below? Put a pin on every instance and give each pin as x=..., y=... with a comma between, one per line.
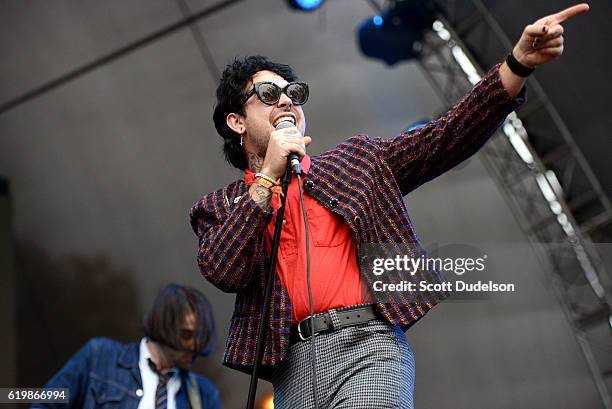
x=346, y=317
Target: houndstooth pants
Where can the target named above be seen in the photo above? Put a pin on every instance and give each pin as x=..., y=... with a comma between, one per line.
x=367, y=366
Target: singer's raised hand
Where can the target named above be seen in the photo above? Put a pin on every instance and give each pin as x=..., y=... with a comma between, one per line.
x=542, y=41
x=282, y=143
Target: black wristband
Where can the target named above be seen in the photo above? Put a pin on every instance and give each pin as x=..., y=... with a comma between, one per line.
x=518, y=68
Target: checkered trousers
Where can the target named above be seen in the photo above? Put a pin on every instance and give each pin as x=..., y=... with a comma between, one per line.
x=368, y=366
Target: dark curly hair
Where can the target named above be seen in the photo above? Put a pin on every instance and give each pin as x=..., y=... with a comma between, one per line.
x=230, y=98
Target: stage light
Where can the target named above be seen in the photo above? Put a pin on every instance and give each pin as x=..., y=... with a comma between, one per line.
x=267, y=402
x=305, y=5
x=396, y=34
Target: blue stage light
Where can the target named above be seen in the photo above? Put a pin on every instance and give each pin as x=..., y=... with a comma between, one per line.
x=395, y=35
x=305, y=5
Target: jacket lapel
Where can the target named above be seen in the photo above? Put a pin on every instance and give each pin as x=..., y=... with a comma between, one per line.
x=129, y=360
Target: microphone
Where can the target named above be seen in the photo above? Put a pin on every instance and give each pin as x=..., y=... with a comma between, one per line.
x=294, y=160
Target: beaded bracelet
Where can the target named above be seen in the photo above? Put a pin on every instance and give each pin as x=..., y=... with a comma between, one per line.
x=265, y=183
x=266, y=177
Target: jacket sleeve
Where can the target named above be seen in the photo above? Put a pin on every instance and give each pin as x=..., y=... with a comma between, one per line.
x=418, y=156
x=74, y=376
x=230, y=238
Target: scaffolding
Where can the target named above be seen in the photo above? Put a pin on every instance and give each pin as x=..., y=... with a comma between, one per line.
x=550, y=187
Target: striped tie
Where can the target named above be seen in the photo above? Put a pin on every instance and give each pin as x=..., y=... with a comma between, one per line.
x=161, y=393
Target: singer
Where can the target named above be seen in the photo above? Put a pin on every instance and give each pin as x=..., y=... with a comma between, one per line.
x=353, y=195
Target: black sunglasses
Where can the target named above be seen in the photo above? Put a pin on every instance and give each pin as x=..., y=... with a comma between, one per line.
x=269, y=93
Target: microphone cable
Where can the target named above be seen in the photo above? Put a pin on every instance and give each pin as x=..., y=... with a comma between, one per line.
x=294, y=163
x=313, y=353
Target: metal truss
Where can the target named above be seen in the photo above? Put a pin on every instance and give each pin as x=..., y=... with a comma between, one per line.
x=551, y=189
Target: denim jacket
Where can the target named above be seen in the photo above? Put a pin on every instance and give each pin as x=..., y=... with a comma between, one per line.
x=105, y=373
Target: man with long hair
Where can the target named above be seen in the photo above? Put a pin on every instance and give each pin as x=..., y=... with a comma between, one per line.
x=154, y=372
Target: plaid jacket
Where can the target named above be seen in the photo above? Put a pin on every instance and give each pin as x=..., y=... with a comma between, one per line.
x=363, y=180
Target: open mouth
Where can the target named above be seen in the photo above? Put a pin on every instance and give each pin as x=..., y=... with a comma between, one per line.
x=284, y=118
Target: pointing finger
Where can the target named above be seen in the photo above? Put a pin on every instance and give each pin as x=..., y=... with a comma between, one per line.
x=569, y=12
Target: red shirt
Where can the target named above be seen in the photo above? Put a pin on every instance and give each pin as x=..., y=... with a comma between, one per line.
x=334, y=273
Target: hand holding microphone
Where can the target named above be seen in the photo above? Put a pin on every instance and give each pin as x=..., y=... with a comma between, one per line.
x=286, y=143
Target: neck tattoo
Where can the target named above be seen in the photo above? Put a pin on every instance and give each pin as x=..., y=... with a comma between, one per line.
x=255, y=161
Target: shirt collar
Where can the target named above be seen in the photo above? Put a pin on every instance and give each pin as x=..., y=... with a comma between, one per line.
x=145, y=354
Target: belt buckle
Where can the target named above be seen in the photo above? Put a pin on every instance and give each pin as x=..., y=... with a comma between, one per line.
x=299, y=329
